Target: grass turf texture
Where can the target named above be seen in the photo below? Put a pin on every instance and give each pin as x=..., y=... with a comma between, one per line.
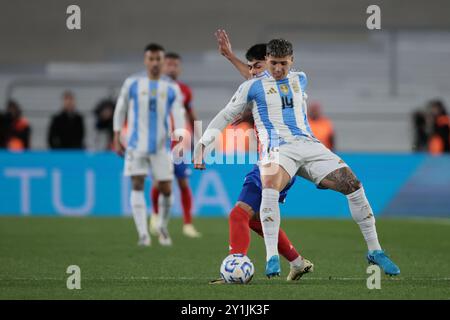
x=35, y=253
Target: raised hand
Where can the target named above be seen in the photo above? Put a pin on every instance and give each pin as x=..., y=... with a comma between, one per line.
x=224, y=43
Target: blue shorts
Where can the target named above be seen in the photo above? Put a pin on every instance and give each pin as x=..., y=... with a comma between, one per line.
x=182, y=170
x=252, y=188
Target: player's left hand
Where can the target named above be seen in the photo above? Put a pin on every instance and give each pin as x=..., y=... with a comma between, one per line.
x=224, y=43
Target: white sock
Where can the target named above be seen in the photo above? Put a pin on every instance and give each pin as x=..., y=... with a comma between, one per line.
x=139, y=209
x=164, y=206
x=270, y=220
x=363, y=215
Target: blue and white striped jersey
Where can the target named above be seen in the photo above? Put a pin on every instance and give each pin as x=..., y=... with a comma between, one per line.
x=149, y=105
x=278, y=108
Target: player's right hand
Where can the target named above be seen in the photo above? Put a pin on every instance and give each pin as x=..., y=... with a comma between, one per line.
x=198, y=160
x=199, y=166
x=118, y=146
x=238, y=120
x=245, y=116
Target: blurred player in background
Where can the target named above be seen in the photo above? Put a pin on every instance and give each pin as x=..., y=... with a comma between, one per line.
x=439, y=141
x=17, y=128
x=245, y=214
x=172, y=71
x=148, y=101
x=321, y=126
x=288, y=148
x=420, y=132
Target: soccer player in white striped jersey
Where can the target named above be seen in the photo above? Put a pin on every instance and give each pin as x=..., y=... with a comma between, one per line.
x=288, y=148
x=149, y=101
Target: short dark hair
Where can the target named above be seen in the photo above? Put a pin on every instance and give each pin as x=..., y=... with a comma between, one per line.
x=439, y=104
x=256, y=52
x=154, y=47
x=279, y=48
x=68, y=94
x=12, y=104
x=172, y=55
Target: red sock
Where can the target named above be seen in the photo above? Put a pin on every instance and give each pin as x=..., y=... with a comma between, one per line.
x=155, y=196
x=239, y=230
x=256, y=226
x=285, y=246
x=186, y=202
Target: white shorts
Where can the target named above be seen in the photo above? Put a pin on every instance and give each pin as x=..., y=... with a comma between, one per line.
x=160, y=164
x=306, y=158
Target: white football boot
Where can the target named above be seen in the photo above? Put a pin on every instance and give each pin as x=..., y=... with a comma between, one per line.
x=164, y=237
x=297, y=272
x=190, y=231
x=153, y=228
x=144, y=241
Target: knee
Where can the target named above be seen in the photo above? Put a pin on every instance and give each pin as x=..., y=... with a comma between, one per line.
x=269, y=183
x=138, y=184
x=242, y=214
x=246, y=207
x=354, y=185
x=165, y=188
x=348, y=183
x=183, y=184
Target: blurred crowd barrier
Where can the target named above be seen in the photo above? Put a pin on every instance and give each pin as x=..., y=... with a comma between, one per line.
x=369, y=83
x=91, y=184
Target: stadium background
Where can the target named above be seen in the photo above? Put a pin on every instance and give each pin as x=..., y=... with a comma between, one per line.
x=368, y=83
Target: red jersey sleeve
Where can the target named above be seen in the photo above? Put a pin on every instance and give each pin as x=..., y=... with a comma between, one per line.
x=187, y=95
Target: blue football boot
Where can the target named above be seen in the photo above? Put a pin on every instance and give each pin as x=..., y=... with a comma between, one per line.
x=273, y=267
x=379, y=258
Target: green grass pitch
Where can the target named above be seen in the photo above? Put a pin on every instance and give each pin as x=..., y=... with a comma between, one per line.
x=35, y=253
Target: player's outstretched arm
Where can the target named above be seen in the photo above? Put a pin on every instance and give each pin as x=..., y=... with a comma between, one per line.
x=224, y=44
x=215, y=128
x=236, y=105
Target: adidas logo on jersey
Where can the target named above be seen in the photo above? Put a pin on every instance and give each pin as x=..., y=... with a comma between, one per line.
x=271, y=91
x=268, y=219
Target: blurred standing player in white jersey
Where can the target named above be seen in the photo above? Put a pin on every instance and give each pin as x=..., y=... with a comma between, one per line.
x=149, y=101
x=172, y=70
x=288, y=148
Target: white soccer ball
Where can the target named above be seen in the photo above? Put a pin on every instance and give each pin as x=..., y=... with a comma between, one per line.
x=237, y=268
